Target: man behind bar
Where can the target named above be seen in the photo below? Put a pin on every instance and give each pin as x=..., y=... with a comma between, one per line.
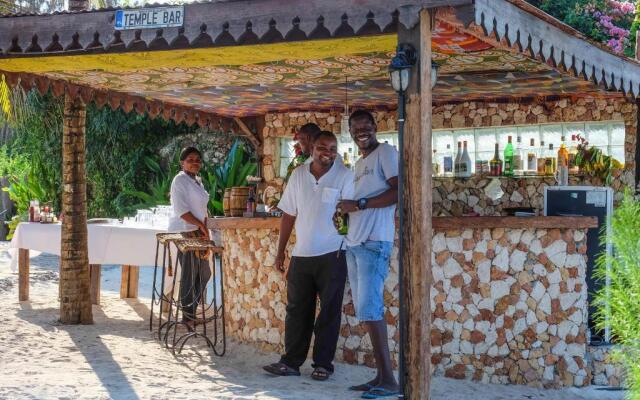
x=318, y=266
x=370, y=240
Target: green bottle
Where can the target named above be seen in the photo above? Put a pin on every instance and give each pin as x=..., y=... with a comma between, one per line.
x=341, y=221
x=508, y=159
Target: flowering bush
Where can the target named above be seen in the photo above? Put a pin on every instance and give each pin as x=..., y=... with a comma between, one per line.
x=611, y=22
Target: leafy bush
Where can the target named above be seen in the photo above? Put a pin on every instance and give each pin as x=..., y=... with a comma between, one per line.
x=610, y=22
x=215, y=178
x=619, y=305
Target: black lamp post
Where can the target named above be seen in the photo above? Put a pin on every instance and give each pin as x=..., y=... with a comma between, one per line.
x=400, y=76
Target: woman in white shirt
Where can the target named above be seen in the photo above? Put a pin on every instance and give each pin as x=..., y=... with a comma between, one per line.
x=189, y=202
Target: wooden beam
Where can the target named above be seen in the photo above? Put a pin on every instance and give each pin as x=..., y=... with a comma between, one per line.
x=95, y=271
x=417, y=225
x=252, y=136
x=129, y=282
x=23, y=274
x=134, y=279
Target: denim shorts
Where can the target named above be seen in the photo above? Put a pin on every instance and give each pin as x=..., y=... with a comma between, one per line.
x=368, y=267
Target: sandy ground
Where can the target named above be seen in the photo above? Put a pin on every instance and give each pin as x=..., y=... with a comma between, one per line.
x=117, y=357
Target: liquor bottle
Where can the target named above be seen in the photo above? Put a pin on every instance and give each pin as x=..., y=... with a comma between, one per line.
x=251, y=202
x=508, y=159
x=541, y=158
x=434, y=164
x=550, y=162
x=341, y=221
x=345, y=160
x=465, y=162
x=573, y=152
x=532, y=164
x=518, y=164
x=447, y=162
x=495, y=165
x=456, y=164
x=563, y=166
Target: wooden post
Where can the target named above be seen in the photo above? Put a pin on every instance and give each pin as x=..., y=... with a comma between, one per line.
x=23, y=274
x=129, y=282
x=417, y=229
x=95, y=272
x=75, y=292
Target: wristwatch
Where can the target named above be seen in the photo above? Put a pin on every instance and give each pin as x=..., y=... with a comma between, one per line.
x=362, y=203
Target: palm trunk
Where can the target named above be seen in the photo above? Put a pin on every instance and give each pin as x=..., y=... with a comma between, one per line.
x=75, y=296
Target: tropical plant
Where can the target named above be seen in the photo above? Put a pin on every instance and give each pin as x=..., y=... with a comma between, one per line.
x=593, y=161
x=618, y=304
x=237, y=166
x=215, y=179
x=158, y=190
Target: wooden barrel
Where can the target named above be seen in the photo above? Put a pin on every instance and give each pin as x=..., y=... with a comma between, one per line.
x=238, y=200
x=226, y=202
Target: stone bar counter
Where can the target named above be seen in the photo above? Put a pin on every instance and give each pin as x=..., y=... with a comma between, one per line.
x=509, y=297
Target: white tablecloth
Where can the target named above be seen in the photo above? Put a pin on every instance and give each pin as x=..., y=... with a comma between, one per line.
x=108, y=243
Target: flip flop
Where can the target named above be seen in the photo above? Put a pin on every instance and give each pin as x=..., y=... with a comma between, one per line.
x=321, y=374
x=365, y=387
x=281, y=369
x=378, y=393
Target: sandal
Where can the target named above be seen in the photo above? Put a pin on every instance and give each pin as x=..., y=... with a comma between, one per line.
x=321, y=374
x=365, y=387
x=378, y=393
x=281, y=369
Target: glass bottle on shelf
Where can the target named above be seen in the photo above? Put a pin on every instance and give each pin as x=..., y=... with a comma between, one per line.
x=563, y=166
x=573, y=151
x=465, y=162
x=345, y=159
x=550, y=161
x=456, y=164
x=517, y=156
x=447, y=162
x=541, y=161
x=508, y=158
x=532, y=163
x=495, y=165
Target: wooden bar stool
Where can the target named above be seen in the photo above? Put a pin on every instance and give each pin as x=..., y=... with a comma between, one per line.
x=193, y=297
x=158, y=296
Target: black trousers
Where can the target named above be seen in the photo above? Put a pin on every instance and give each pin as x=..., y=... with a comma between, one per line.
x=309, y=278
x=193, y=282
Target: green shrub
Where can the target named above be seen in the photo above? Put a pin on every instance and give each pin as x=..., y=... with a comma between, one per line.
x=619, y=305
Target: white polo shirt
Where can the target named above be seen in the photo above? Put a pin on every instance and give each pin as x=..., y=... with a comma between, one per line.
x=186, y=196
x=313, y=203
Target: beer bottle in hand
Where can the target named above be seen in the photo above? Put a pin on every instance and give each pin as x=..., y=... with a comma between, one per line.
x=341, y=221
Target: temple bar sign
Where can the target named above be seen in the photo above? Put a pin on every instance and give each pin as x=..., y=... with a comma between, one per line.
x=146, y=18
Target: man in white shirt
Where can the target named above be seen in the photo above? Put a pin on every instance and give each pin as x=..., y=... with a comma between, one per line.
x=370, y=240
x=318, y=266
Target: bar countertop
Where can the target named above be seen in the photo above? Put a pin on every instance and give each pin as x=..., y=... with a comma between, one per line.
x=439, y=223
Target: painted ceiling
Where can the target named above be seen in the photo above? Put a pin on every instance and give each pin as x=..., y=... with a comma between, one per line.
x=254, y=80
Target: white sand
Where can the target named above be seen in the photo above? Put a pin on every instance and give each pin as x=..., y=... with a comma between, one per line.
x=117, y=357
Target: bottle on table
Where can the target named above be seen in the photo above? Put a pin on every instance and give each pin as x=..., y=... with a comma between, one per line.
x=251, y=202
x=550, y=161
x=341, y=221
x=563, y=166
x=532, y=159
x=495, y=165
x=447, y=162
x=465, y=162
x=456, y=164
x=32, y=210
x=508, y=159
x=541, y=159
